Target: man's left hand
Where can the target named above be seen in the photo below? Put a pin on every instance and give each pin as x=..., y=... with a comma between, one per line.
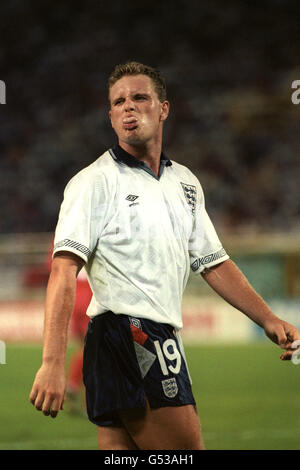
x=283, y=334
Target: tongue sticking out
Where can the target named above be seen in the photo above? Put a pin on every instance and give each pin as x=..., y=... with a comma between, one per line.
x=130, y=123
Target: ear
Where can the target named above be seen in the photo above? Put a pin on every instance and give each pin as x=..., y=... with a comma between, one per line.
x=165, y=108
x=109, y=115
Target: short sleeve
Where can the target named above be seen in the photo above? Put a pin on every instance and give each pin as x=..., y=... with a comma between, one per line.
x=82, y=215
x=205, y=248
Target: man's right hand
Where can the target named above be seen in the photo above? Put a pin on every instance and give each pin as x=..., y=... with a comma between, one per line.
x=49, y=389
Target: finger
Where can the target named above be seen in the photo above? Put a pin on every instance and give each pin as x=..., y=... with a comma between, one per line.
x=63, y=401
x=294, y=339
x=286, y=356
x=39, y=401
x=47, y=405
x=290, y=354
x=62, y=404
x=291, y=330
x=33, y=395
x=281, y=336
x=288, y=345
x=56, y=406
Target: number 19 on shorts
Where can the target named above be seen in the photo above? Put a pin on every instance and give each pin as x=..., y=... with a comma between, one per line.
x=169, y=351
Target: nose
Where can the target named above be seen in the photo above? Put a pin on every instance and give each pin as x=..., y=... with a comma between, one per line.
x=129, y=105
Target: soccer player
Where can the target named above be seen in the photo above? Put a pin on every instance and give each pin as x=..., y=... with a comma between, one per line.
x=137, y=222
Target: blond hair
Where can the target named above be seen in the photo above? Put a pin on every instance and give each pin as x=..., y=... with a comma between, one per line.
x=136, y=68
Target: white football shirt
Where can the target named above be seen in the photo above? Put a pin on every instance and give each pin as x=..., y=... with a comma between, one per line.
x=138, y=234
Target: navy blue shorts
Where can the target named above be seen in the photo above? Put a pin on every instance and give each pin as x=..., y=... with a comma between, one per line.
x=127, y=359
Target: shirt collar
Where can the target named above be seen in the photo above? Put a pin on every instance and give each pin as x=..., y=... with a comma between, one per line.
x=119, y=154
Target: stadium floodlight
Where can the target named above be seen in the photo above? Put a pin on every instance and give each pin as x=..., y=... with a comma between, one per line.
x=2, y=92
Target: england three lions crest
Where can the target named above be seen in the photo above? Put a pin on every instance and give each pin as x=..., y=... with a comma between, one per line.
x=170, y=387
x=190, y=193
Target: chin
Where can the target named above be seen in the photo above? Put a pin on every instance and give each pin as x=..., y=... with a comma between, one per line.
x=134, y=140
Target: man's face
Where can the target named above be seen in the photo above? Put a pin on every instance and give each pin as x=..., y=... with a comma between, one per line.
x=136, y=113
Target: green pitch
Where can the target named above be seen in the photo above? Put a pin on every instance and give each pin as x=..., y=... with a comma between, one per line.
x=246, y=397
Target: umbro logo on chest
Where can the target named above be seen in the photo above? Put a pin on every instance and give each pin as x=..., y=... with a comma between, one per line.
x=131, y=198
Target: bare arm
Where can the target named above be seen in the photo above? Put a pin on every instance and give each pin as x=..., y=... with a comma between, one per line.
x=48, y=390
x=228, y=281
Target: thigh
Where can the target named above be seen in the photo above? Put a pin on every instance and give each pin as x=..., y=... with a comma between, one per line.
x=114, y=438
x=165, y=428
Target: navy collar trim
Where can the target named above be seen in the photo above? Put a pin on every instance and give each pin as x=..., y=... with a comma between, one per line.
x=120, y=154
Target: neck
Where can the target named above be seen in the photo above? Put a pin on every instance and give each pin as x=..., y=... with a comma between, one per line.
x=148, y=154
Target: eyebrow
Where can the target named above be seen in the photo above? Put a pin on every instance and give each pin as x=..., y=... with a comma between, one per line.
x=135, y=94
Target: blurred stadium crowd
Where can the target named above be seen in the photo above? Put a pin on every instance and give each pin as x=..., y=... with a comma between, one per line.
x=229, y=70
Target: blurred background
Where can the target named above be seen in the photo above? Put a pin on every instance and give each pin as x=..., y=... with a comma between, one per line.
x=229, y=68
